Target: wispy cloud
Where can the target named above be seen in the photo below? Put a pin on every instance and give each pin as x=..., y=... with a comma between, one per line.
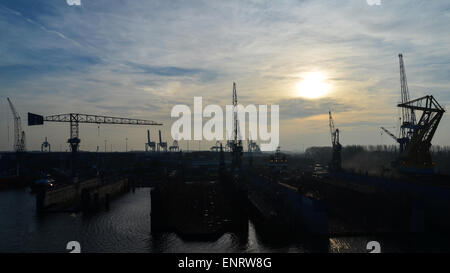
x=31, y=21
x=302, y=108
x=138, y=58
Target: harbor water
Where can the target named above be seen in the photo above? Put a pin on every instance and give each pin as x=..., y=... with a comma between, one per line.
x=125, y=227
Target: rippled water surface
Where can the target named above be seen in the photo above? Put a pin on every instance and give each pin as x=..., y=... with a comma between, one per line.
x=125, y=227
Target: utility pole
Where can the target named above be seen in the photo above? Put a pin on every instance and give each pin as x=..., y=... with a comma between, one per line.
x=126, y=144
x=105, y=145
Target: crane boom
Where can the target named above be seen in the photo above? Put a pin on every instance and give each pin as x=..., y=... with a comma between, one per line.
x=408, y=115
x=19, y=135
x=86, y=118
x=332, y=130
x=389, y=133
x=335, y=164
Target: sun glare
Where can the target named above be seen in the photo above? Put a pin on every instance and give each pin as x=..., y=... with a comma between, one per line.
x=313, y=86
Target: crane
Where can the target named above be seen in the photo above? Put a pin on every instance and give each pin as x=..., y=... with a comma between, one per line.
x=415, y=136
x=403, y=141
x=216, y=147
x=74, y=119
x=162, y=146
x=416, y=156
x=19, y=135
x=45, y=146
x=408, y=118
x=335, y=164
x=236, y=144
x=389, y=133
x=149, y=144
x=408, y=115
x=175, y=146
x=252, y=146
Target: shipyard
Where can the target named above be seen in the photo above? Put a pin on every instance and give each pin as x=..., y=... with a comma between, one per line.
x=175, y=128
x=202, y=195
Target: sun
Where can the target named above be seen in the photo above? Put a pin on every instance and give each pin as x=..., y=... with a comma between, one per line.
x=313, y=86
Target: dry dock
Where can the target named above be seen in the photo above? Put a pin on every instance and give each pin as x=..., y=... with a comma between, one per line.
x=82, y=195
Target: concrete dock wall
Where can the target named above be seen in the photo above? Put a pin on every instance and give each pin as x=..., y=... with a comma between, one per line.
x=83, y=195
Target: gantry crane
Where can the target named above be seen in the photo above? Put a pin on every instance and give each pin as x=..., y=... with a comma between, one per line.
x=75, y=119
x=45, y=146
x=150, y=144
x=335, y=163
x=19, y=135
x=175, y=147
x=162, y=146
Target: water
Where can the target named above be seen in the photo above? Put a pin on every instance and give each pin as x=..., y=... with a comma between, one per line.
x=125, y=227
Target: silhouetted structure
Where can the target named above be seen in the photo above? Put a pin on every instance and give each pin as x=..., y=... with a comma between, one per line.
x=335, y=163
x=45, y=146
x=150, y=144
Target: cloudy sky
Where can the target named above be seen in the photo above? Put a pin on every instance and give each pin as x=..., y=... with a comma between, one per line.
x=140, y=58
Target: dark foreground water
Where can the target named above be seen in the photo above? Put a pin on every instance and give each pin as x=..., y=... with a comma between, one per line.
x=125, y=227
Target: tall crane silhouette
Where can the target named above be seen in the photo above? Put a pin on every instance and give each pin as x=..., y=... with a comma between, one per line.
x=236, y=145
x=150, y=144
x=19, y=135
x=162, y=146
x=408, y=115
x=335, y=164
x=416, y=135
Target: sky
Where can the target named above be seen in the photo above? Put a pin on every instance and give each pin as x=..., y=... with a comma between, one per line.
x=140, y=58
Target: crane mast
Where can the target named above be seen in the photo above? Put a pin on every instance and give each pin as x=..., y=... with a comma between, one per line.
x=408, y=115
x=236, y=145
x=150, y=144
x=19, y=135
x=335, y=164
x=235, y=119
x=332, y=130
